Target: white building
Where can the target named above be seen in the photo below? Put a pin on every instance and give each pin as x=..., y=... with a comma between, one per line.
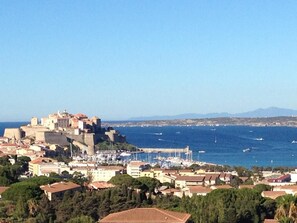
x=134, y=168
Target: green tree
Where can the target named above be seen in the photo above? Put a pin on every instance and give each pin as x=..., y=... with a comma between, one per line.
x=150, y=183
x=125, y=179
x=262, y=187
x=26, y=190
x=286, y=209
x=81, y=219
x=21, y=209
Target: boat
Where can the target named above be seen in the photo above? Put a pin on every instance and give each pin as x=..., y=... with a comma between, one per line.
x=294, y=142
x=125, y=154
x=201, y=151
x=158, y=133
x=259, y=139
x=246, y=150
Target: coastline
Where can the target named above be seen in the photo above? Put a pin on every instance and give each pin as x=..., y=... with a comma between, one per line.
x=283, y=121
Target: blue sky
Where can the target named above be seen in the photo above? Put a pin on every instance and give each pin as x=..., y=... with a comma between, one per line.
x=121, y=59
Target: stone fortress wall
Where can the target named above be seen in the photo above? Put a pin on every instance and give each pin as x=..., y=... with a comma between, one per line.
x=15, y=133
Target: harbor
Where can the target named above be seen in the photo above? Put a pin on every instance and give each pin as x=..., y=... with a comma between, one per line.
x=166, y=150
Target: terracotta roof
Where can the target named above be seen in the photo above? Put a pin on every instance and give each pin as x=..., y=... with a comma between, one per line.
x=42, y=160
x=223, y=186
x=281, y=178
x=59, y=187
x=211, y=177
x=199, y=189
x=100, y=185
x=2, y=189
x=273, y=194
x=288, y=187
x=190, y=178
x=9, y=145
x=80, y=115
x=170, y=190
x=137, y=163
x=146, y=215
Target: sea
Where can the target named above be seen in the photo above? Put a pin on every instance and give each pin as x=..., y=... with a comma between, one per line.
x=225, y=145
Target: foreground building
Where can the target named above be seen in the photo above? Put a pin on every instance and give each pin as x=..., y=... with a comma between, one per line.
x=58, y=189
x=146, y=215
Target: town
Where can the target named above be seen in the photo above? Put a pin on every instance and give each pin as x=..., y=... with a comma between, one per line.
x=60, y=154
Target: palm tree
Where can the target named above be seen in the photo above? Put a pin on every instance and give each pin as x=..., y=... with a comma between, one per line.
x=33, y=207
x=287, y=209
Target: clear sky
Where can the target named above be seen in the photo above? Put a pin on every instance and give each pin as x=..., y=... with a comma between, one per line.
x=121, y=59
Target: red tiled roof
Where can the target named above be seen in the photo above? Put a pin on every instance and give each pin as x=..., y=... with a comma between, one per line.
x=223, y=186
x=42, y=160
x=281, y=178
x=199, y=189
x=288, y=187
x=100, y=185
x=80, y=115
x=9, y=145
x=146, y=215
x=137, y=163
x=170, y=190
x=209, y=177
x=190, y=178
x=59, y=187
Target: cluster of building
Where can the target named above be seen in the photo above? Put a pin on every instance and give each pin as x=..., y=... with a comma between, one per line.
x=187, y=182
x=45, y=166
x=21, y=148
x=57, y=131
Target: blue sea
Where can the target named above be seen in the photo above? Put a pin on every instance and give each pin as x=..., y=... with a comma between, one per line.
x=268, y=146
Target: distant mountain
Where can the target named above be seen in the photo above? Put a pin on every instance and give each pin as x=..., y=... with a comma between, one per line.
x=268, y=112
x=258, y=113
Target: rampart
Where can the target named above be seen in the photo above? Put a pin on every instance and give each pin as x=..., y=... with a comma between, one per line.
x=52, y=138
x=13, y=133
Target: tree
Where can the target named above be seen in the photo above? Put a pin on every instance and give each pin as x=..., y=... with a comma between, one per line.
x=262, y=187
x=26, y=190
x=46, y=210
x=125, y=179
x=21, y=209
x=286, y=209
x=150, y=183
x=23, y=161
x=235, y=181
x=81, y=219
x=79, y=178
x=33, y=207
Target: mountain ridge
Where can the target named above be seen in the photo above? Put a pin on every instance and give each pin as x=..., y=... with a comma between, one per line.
x=258, y=113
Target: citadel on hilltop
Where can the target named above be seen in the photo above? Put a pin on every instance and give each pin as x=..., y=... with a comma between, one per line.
x=61, y=128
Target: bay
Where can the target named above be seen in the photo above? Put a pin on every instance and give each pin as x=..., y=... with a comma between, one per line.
x=268, y=146
x=264, y=146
